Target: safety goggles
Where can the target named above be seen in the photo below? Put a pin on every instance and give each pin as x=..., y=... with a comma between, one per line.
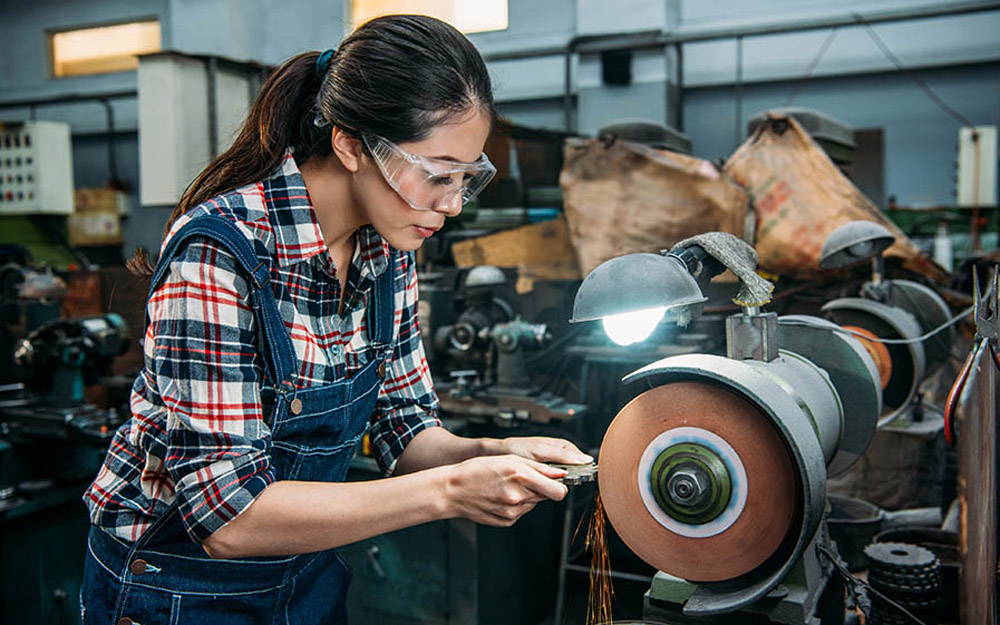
x=427, y=183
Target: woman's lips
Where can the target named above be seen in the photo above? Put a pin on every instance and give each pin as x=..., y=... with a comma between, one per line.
x=425, y=232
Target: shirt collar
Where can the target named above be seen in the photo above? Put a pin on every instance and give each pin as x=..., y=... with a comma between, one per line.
x=297, y=234
x=290, y=212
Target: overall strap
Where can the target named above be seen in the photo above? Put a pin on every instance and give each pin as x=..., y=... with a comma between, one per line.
x=382, y=311
x=279, y=353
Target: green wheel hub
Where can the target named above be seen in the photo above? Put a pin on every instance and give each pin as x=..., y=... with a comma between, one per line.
x=690, y=483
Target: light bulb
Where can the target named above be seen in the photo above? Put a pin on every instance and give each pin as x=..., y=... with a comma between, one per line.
x=632, y=327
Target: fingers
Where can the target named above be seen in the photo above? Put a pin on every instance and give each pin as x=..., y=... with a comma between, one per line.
x=541, y=479
x=506, y=516
x=547, y=449
x=549, y=471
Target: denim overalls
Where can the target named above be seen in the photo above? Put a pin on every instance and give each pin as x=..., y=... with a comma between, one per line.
x=164, y=577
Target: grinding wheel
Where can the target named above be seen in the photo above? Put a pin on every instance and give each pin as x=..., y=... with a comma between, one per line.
x=757, y=515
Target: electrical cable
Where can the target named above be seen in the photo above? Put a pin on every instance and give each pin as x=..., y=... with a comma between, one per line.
x=903, y=68
x=854, y=583
x=941, y=328
x=951, y=404
x=812, y=65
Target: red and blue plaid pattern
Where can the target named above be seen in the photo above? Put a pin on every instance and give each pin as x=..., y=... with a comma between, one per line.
x=199, y=431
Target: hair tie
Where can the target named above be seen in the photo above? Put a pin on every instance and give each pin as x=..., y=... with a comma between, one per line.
x=323, y=62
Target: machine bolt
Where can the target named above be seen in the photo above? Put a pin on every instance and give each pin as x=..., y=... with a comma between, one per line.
x=688, y=485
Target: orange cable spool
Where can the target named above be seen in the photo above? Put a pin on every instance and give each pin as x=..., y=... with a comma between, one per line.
x=877, y=350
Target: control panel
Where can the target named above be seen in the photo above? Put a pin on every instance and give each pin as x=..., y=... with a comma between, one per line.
x=36, y=168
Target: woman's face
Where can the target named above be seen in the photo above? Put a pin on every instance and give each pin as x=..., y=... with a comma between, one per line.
x=402, y=226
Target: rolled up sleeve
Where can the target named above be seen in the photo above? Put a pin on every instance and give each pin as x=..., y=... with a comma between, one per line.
x=207, y=369
x=407, y=403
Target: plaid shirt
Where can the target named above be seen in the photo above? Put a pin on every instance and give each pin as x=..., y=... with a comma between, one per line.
x=200, y=406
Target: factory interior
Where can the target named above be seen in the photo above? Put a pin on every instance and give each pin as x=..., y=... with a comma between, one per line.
x=743, y=254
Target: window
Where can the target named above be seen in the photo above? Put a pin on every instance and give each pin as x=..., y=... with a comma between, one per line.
x=467, y=16
x=102, y=49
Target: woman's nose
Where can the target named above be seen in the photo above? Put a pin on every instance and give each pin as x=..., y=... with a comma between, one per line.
x=450, y=207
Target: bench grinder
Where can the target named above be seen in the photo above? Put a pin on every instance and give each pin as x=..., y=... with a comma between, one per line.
x=715, y=472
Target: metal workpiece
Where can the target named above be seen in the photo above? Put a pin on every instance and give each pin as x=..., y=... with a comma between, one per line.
x=815, y=394
x=577, y=474
x=909, y=363
x=752, y=335
x=800, y=437
x=849, y=367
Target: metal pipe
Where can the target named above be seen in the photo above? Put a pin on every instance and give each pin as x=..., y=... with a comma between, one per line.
x=738, y=130
x=104, y=99
x=680, y=87
x=636, y=41
x=212, y=70
x=568, y=93
x=68, y=98
x=617, y=41
x=109, y=112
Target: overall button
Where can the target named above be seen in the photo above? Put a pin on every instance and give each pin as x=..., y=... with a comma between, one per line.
x=295, y=406
x=138, y=567
x=125, y=621
x=380, y=370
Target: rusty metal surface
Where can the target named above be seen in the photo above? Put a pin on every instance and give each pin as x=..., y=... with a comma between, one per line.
x=976, y=420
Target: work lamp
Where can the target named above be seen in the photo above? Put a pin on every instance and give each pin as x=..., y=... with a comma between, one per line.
x=632, y=293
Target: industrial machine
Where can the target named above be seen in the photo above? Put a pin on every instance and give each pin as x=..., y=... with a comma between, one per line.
x=888, y=317
x=481, y=356
x=715, y=472
x=52, y=442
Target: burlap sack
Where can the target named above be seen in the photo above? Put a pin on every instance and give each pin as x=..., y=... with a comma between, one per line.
x=799, y=197
x=624, y=197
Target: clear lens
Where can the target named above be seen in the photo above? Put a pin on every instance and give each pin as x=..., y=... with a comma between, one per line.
x=427, y=183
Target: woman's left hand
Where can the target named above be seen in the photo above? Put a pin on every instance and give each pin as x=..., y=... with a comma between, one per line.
x=543, y=449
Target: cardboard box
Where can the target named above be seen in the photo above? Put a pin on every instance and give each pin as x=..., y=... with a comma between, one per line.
x=96, y=219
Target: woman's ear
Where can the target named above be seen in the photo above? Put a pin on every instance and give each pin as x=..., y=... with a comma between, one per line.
x=347, y=148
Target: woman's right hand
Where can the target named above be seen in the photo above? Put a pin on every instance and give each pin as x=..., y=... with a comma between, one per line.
x=498, y=490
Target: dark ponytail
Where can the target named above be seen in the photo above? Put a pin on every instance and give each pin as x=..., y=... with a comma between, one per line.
x=396, y=76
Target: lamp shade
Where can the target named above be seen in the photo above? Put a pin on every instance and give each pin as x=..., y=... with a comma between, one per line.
x=632, y=283
x=853, y=243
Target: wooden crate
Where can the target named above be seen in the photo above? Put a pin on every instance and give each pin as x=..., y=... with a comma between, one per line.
x=539, y=251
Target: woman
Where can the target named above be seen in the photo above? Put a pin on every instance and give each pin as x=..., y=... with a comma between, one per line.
x=282, y=322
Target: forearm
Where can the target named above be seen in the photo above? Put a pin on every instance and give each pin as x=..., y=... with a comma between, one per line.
x=301, y=517
x=435, y=447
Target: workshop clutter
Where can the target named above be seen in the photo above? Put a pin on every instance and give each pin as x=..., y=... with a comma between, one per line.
x=623, y=197
x=799, y=197
x=779, y=189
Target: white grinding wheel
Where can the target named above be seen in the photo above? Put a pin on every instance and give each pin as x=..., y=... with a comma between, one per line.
x=769, y=495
